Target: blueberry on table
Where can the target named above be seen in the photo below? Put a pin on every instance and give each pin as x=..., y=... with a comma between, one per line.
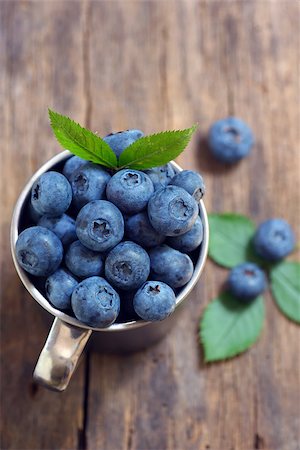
x=154, y=301
x=100, y=225
x=51, y=194
x=127, y=266
x=82, y=261
x=246, y=281
x=191, y=181
x=230, y=139
x=122, y=139
x=63, y=226
x=88, y=183
x=71, y=165
x=129, y=190
x=139, y=230
x=170, y=266
x=274, y=239
x=190, y=240
x=59, y=287
x=161, y=176
x=172, y=211
x=39, y=251
x=95, y=302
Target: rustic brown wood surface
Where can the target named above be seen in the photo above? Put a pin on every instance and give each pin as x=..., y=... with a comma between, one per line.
x=154, y=65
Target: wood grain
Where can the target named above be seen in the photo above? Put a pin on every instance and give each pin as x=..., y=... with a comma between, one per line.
x=155, y=65
x=42, y=66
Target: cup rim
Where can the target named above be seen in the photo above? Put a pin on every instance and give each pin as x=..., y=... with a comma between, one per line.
x=36, y=294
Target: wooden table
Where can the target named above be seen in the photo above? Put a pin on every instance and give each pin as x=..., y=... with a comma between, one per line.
x=154, y=65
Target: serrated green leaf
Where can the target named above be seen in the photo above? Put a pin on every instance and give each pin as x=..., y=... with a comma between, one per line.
x=285, y=286
x=80, y=141
x=228, y=327
x=230, y=239
x=156, y=149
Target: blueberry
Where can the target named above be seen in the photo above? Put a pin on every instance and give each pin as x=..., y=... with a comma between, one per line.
x=95, y=302
x=51, y=194
x=171, y=266
x=154, y=301
x=190, y=240
x=127, y=266
x=59, y=287
x=39, y=251
x=161, y=176
x=246, y=281
x=172, y=211
x=88, y=183
x=129, y=190
x=100, y=225
x=230, y=139
x=274, y=239
x=63, y=226
x=82, y=261
x=192, y=182
x=72, y=165
x=138, y=229
x=122, y=139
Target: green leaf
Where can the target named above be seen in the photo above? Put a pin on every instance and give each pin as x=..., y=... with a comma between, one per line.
x=285, y=285
x=80, y=141
x=156, y=149
x=228, y=327
x=230, y=239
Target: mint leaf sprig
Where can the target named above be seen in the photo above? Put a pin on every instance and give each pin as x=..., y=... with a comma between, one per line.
x=156, y=149
x=80, y=141
x=145, y=153
x=227, y=327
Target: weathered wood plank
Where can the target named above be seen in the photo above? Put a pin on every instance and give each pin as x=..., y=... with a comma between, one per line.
x=181, y=62
x=42, y=65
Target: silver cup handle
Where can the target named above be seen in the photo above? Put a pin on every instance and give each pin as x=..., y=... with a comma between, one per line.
x=60, y=355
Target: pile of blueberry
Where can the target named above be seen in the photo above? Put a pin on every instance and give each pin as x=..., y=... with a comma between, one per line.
x=230, y=140
x=109, y=245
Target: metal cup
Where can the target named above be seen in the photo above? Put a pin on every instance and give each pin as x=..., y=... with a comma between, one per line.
x=68, y=337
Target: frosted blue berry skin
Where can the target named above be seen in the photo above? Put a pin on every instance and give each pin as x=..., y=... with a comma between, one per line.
x=274, y=239
x=63, y=226
x=82, y=261
x=100, y=225
x=130, y=190
x=39, y=251
x=190, y=240
x=246, y=281
x=59, y=287
x=170, y=266
x=154, y=301
x=172, y=211
x=230, y=139
x=127, y=266
x=95, y=302
x=51, y=194
x=88, y=183
x=191, y=181
x=122, y=139
x=139, y=230
x=161, y=176
x=71, y=165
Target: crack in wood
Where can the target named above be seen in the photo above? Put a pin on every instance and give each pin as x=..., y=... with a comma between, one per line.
x=86, y=63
